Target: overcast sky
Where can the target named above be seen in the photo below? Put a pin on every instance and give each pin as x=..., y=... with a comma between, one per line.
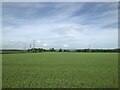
x=60, y=25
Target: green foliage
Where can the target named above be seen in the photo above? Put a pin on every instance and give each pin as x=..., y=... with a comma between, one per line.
x=60, y=70
x=60, y=50
x=12, y=51
x=52, y=50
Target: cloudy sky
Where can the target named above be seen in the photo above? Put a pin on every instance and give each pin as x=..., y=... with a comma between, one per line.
x=60, y=25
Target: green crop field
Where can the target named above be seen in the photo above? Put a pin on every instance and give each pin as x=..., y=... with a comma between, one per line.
x=60, y=70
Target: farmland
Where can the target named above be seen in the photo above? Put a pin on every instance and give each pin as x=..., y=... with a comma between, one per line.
x=60, y=70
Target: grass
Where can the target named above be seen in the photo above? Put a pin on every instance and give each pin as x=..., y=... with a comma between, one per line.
x=60, y=70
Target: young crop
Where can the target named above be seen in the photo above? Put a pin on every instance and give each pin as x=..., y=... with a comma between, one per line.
x=60, y=70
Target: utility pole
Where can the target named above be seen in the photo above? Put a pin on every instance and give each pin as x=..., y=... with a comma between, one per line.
x=33, y=46
x=24, y=47
x=89, y=48
x=30, y=46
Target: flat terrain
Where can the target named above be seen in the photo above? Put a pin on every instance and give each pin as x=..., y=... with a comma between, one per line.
x=55, y=70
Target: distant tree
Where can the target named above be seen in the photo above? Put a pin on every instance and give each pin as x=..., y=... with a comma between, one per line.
x=65, y=50
x=60, y=50
x=68, y=50
x=29, y=50
x=44, y=50
x=40, y=50
x=33, y=50
x=52, y=50
x=77, y=50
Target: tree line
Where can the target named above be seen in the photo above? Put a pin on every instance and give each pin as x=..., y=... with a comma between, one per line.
x=40, y=50
x=37, y=50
